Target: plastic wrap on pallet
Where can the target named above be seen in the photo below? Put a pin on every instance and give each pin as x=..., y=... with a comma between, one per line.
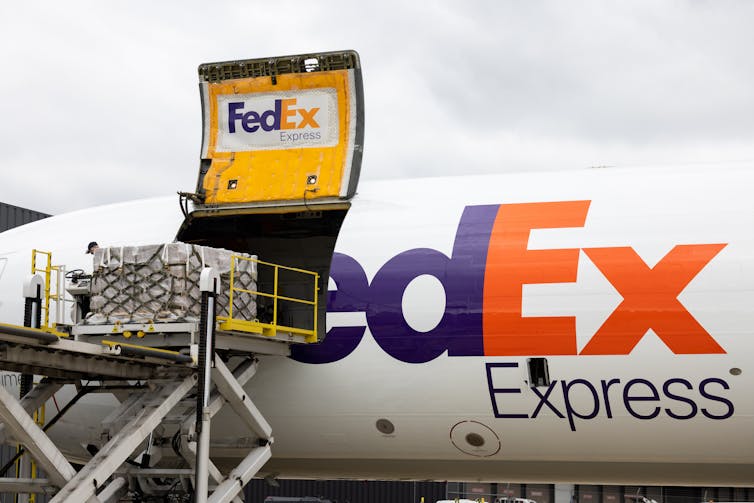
x=160, y=283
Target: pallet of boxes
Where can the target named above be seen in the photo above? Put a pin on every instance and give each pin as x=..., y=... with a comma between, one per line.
x=160, y=284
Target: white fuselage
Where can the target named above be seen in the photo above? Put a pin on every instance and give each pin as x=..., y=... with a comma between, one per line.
x=442, y=289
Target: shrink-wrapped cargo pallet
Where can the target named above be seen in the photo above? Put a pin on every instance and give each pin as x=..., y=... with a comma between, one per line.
x=160, y=283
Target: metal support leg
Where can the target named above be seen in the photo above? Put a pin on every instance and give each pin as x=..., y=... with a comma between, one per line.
x=202, y=460
x=188, y=452
x=25, y=430
x=17, y=485
x=209, y=284
x=85, y=483
x=230, y=388
x=114, y=491
x=241, y=475
x=34, y=400
x=127, y=408
x=243, y=374
x=239, y=401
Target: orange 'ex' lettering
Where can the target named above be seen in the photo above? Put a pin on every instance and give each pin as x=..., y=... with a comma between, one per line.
x=650, y=300
x=650, y=295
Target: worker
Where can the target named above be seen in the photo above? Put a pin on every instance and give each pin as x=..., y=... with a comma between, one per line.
x=92, y=247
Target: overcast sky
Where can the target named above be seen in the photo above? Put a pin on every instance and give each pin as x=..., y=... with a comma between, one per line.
x=99, y=100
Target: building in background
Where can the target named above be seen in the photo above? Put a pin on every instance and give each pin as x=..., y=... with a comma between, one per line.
x=13, y=216
x=349, y=491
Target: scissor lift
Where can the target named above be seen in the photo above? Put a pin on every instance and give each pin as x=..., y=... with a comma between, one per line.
x=161, y=387
x=280, y=192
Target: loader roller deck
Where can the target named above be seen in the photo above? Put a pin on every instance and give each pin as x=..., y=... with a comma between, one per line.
x=113, y=356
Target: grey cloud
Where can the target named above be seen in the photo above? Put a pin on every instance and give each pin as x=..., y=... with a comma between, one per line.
x=633, y=73
x=101, y=99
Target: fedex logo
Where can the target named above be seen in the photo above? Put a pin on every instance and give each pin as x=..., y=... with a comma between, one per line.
x=266, y=121
x=284, y=115
x=483, y=281
x=582, y=400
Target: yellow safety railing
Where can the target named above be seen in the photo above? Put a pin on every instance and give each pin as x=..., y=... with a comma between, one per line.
x=57, y=295
x=271, y=328
x=48, y=276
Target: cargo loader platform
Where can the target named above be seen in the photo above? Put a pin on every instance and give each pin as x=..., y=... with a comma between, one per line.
x=24, y=350
x=172, y=392
x=175, y=375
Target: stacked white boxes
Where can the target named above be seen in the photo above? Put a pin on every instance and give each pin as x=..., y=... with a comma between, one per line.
x=160, y=283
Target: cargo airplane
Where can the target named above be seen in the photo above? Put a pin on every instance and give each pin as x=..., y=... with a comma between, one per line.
x=588, y=326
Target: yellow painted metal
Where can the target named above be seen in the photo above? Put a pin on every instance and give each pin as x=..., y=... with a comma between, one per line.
x=281, y=174
x=47, y=276
x=258, y=327
x=33, y=496
x=49, y=295
x=316, y=297
x=270, y=329
x=230, y=294
x=56, y=295
x=18, y=461
x=287, y=268
x=275, y=299
x=254, y=327
x=46, y=330
x=39, y=418
x=294, y=299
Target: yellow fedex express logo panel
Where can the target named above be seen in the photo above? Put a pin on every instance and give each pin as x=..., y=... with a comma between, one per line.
x=286, y=138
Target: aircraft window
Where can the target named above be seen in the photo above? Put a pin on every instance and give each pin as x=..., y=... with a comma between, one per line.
x=385, y=426
x=539, y=374
x=475, y=439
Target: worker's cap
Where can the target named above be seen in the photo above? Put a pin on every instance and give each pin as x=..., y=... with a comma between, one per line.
x=90, y=247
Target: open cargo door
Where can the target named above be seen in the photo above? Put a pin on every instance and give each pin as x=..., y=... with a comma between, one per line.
x=281, y=157
x=283, y=130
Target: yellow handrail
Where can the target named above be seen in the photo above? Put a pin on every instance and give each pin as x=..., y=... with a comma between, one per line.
x=48, y=273
x=316, y=289
x=232, y=277
x=58, y=295
x=275, y=299
x=271, y=329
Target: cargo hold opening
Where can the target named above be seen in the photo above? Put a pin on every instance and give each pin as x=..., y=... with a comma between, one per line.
x=299, y=239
